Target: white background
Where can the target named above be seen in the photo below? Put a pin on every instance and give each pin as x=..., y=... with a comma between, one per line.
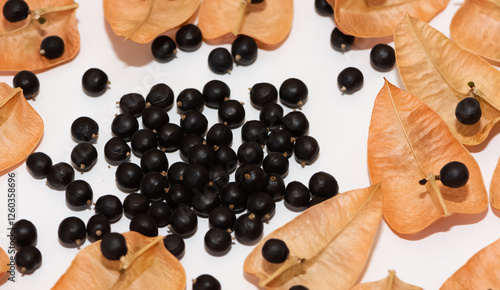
x=339, y=122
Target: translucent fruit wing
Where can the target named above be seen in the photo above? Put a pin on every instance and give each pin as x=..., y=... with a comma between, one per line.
x=480, y=271
x=437, y=71
x=154, y=268
x=391, y=282
x=142, y=20
x=475, y=27
x=20, y=42
x=326, y=236
x=407, y=141
x=21, y=128
x=268, y=22
x=378, y=18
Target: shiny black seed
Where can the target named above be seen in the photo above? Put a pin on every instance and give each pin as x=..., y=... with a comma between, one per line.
x=60, y=175
x=255, y=131
x=175, y=245
x=95, y=82
x=154, y=118
x=72, y=232
x=160, y=95
x=144, y=224
x=340, y=41
x=28, y=258
x=135, y=204
x=248, y=229
x=190, y=99
x=231, y=113
x=124, y=126
x=382, y=57
x=114, y=246
x=323, y=184
x=222, y=218
x=306, y=150
x=219, y=134
x=24, y=233
x=52, y=47
x=454, y=174
x=263, y=93
x=217, y=242
x=27, y=81
x=163, y=48
x=84, y=156
x=79, y=195
x=293, y=93
x=154, y=185
x=97, y=227
x=275, y=162
x=161, y=212
x=468, y=111
x=116, y=151
x=169, y=137
x=250, y=153
x=271, y=115
x=142, y=141
x=296, y=123
x=128, y=176
x=38, y=164
x=275, y=251
x=15, y=11
x=154, y=160
x=244, y=50
x=350, y=80
x=297, y=196
x=84, y=129
x=184, y=222
x=133, y=104
x=323, y=8
x=188, y=38
x=206, y=282
x=194, y=122
x=220, y=61
x=215, y=92
x=109, y=206
x=234, y=196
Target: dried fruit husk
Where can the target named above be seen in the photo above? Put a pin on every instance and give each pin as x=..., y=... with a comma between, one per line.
x=376, y=18
x=480, y=271
x=476, y=26
x=20, y=42
x=154, y=267
x=4, y=263
x=495, y=187
x=391, y=282
x=408, y=142
x=142, y=20
x=321, y=241
x=268, y=22
x=21, y=128
x=437, y=71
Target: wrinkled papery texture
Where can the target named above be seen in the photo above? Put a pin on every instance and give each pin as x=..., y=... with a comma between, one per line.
x=4, y=262
x=437, y=71
x=20, y=50
x=142, y=20
x=480, y=271
x=476, y=27
x=268, y=22
x=156, y=268
x=378, y=18
x=495, y=187
x=391, y=282
x=335, y=238
x=21, y=128
x=406, y=142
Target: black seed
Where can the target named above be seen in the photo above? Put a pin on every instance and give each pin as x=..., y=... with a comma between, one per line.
x=253, y=178
x=280, y=141
x=142, y=141
x=116, y=151
x=234, y=196
x=350, y=80
x=38, y=164
x=255, y=131
x=263, y=93
x=275, y=186
x=219, y=134
x=219, y=177
x=161, y=95
x=468, y=111
x=178, y=195
x=114, y=246
x=382, y=57
x=28, y=258
x=175, y=245
x=188, y=38
x=340, y=41
x=306, y=150
x=60, y=175
x=184, y=222
x=154, y=117
x=161, y=212
x=201, y=154
x=217, y=242
x=275, y=251
x=323, y=8
x=94, y=82
x=109, y=206
x=293, y=93
x=275, y=162
x=231, y=113
x=135, y=204
x=244, y=50
x=187, y=142
x=225, y=156
x=144, y=224
x=84, y=156
x=24, y=233
x=128, y=176
x=15, y=11
x=250, y=153
x=220, y=61
x=97, y=227
x=72, y=232
x=52, y=47
x=296, y=123
x=204, y=202
x=261, y=204
x=124, y=126
x=194, y=122
x=84, y=129
x=248, y=229
x=454, y=174
x=175, y=172
x=79, y=195
x=190, y=99
x=133, y=104
x=271, y=115
x=297, y=196
x=163, y=48
x=222, y=218
x=206, y=282
x=169, y=137
x=196, y=177
x=323, y=184
x=154, y=185
x=27, y=81
x=154, y=160
x=215, y=92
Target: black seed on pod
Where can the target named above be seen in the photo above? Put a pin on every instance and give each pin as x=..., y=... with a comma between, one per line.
x=154, y=117
x=194, y=122
x=28, y=258
x=323, y=8
x=135, y=204
x=244, y=50
x=275, y=251
x=38, y=164
x=169, y=137
x=25, y=233
x=323, y=184
x=217, y=242
x=60, y=175
x=468, y=111
x=116, y=151
x=231, y=113
x=250, y=153
x=110, y=206
x=222, y=218
x=271, y=115
x=128, y=176
x=15, y=11
x=114, y=246
x=124, y=126
x=350, y=80
x=163, y=48
x=154, y=160
x=190, y=99
x=215, y=92
x=72, y=232
x=79, y=195
x=97, y=227
x=204, y=202
x=299, y=287
x=225, y=156
x=160, y=95
x=255, y=131
x=178, y=195
x=27, y=81
x=263, y=93
x=184, y=222
x=84, y=156
x=234, y=196
x=187, y=142
x=340, y=41
x=161, y=212
x=132, y=103
x=296, y=123
x=293, y=93
x=144, y=224
x=84, y=129
x=280, y=141
x=201, y=154
x=276, y=162
x=253, y=179
x=206, y=282
x=154, y=185
x=297, y=196
x=52, y=47
x=175, y=245
x=248, y=229
x=219, y=134
x=306, y=150
x=175, y=172
x=142, y=141
x=220, y=61
x=188, y=38
x=454, y=174
x=94, y=82
x=275, y=186
x=261, y=204
x=382, y=57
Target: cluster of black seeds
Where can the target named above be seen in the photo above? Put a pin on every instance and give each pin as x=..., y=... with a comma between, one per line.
x=188, y=38
x=28, y=258
x=243, y=52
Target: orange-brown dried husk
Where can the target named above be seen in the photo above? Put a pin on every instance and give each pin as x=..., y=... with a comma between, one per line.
x=142, y=20
x=329, y=236
x=20, y=47
x=376, y=18
x=437, y=71
x=391, y=282
x=268, y=22
x=156, y=268
x=21, y=128
x=480, y=271
x=495, y=187
x=476, y=27
x=406, y=142
x=4, y=262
